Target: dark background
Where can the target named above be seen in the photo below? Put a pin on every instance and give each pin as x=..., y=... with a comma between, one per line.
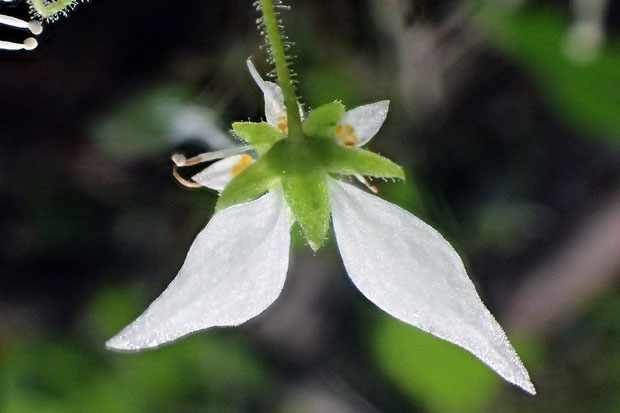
x=511, y=148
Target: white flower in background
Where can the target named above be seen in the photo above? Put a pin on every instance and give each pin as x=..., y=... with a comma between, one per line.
x=586, y=35
x=236, y=267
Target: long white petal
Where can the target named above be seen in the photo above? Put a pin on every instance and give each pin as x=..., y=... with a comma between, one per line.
x=234, y=270
x=275, y=111
x=365, y=120
x=410, y=271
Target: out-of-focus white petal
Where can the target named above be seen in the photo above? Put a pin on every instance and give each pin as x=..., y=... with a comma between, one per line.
x=219, y=174
x=234, y=270
x=275, y=111
x=190, y=121
x=410, y=271
x=357, y=126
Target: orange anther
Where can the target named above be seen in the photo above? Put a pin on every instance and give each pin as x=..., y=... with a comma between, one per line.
x=345, y=134
x=282, y=125
x=350, y=140
x=241, y=164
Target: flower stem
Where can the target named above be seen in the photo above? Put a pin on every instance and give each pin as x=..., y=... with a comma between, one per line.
x=282, y=69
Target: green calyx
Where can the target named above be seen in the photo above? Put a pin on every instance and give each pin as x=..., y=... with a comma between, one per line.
x=322, y=120
x=301, y=167
x=51, y=10
x=299, y=160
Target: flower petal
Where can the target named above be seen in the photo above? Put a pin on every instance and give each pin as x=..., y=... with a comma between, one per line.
x=357, y=126
x=234, y=270
x=217, y=175
x=410, y=271
x=275, y=111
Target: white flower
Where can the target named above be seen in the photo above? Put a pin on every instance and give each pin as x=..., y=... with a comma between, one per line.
x=236, y=267
x=275, y=112
x=358, y=126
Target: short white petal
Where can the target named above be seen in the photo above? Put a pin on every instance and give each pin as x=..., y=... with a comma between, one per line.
x=217, y=175
x=275, y=111
x=234, y=270
x=410, y=271
x=366, y=120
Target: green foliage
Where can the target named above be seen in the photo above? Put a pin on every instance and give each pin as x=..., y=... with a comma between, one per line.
x=53, y=375
x=444, y=377
x=322, y=120
x=260, y=135
x=584, y=95
x=337, y=83
x=153, y=120
x=302, y=167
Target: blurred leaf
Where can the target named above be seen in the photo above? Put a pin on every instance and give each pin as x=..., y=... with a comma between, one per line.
x=440, y=375
x=337, y=83
x=585, y=95
x=507, y=228
x=109, y=311
x=62, y=375
x=156, y=119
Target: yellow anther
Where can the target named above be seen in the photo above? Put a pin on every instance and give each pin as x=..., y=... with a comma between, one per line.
x=345, y=134
x=282, y=125
x=241, y=164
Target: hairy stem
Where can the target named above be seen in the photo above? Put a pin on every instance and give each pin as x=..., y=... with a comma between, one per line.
x=274, y=38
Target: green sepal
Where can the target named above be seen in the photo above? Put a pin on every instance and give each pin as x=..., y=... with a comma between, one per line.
x=306, y=196
x=348, y=161
x=254, y=181
x=322, y=120
x=259, y=135
x=51, y=10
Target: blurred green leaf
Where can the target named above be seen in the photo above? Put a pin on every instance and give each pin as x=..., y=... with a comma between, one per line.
x=156, y=119
x=440, y=375
x=337, y=83
x=63, y=375
x=585, y=95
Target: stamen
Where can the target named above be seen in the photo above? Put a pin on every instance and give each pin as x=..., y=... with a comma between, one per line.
x=182, y=180
x=34, y=26
x=28, y=44
x=241, y=164
x=180, y=160
x=346, y=134
x=282, y=125
x=13, y=22
x=366, y=183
